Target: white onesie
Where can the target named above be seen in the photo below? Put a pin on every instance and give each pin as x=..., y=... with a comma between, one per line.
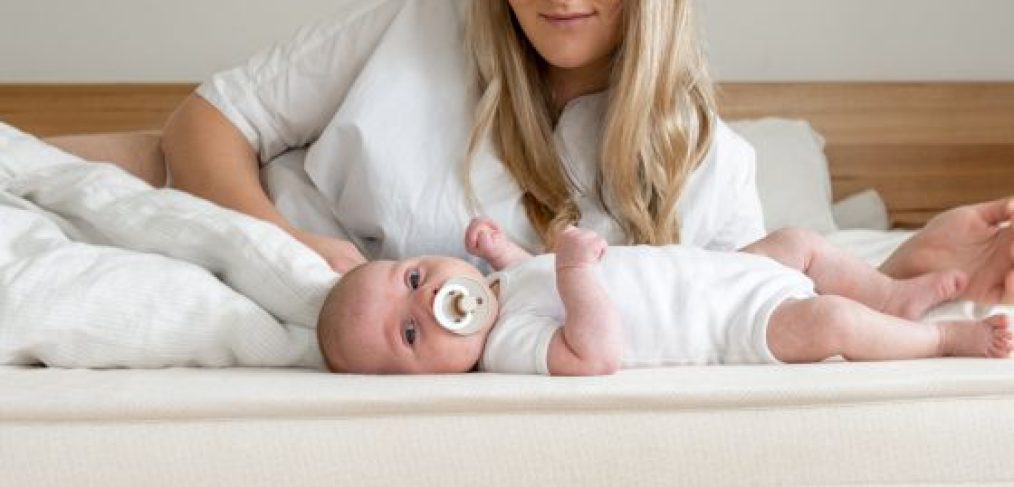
x=679, y=306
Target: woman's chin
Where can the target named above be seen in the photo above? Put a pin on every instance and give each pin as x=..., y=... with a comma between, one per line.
x=568, y=60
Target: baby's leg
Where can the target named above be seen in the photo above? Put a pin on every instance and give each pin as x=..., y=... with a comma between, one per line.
x=485, y=239
x=835, y=271
x=815, y=329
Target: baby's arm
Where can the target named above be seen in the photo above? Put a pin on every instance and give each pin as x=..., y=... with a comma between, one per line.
x=486, y=240
x=590, y=341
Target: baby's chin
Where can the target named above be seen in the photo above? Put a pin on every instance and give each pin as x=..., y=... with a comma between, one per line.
x=352, y=365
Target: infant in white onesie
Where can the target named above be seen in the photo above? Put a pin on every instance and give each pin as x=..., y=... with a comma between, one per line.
x=590, y=309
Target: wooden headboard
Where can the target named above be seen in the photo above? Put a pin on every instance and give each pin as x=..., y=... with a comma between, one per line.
x=925, y=146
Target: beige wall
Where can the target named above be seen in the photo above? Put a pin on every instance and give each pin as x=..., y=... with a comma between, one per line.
x=186, y=40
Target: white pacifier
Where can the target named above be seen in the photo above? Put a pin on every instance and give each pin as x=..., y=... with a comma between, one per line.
x=462, y=305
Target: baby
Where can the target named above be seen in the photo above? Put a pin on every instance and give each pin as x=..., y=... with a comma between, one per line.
x=591, y=309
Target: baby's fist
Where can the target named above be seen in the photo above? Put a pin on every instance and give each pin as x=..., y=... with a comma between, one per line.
x=577, y=247
x=484, y=238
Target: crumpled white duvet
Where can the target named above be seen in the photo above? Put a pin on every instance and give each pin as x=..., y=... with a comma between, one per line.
x=99, y=269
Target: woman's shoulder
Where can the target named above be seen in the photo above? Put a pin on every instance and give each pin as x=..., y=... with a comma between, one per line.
x=731, y=149
x=353, y=15
x=350, y=17
x=286, y=94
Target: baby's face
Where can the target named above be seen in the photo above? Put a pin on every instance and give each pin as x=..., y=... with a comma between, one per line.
x=388, y=324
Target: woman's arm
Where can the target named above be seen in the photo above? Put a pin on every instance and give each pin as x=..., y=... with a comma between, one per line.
x=207, y=156
x=137, y=152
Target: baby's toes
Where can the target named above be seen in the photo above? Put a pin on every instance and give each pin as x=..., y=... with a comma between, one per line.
x=1001, y=347
x=1003, y=339
x=1006, y=341
x=999, y=321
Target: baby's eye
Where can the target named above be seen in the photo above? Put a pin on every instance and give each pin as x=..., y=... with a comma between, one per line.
x=414, y=278
x=410, y=332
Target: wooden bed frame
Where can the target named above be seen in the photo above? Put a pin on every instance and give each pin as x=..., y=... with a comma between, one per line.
x=925, y=146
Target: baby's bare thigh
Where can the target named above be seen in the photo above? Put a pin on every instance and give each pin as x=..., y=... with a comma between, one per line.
x=791, y=247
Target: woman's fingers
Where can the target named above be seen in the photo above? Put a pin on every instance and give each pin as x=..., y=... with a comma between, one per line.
x=340, y=255
x=997, y=211
x=345, y=258
x=1008, y=294
x=343, y=265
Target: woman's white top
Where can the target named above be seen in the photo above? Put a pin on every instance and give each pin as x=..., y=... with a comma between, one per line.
x=362, y=120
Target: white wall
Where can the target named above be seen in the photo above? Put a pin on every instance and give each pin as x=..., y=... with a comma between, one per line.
x=186, y=40
x=141, y=40
x=764, y=40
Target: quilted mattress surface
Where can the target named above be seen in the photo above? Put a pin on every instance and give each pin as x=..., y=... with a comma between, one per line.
x=945, y=420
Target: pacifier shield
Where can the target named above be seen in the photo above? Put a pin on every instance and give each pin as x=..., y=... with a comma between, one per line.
x=463, y=305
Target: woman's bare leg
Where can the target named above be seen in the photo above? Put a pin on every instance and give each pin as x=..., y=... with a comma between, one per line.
x=818, y=328
x=835, y=271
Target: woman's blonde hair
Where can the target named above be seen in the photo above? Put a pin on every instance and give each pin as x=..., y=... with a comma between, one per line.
x=659, y=125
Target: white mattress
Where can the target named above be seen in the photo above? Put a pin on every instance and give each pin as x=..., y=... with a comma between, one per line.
x=947, y=420
x=933, y=421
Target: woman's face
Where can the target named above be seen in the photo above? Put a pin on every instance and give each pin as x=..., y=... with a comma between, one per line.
x=571, y=34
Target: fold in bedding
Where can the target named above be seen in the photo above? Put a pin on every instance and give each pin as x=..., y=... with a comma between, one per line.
x=98, y=269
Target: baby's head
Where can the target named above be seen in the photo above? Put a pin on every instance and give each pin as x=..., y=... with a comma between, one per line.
x=380, y=318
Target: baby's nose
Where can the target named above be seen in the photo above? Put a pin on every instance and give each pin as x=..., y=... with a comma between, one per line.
x=424, y=297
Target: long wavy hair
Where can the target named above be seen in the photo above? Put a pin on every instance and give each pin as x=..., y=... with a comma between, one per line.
x=659, y=125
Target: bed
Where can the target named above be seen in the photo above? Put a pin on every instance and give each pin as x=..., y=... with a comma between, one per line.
x=922, y=147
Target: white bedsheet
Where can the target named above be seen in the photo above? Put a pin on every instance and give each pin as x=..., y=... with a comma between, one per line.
x=98, y=269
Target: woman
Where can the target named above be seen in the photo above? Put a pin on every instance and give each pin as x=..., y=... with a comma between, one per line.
x=388, y=126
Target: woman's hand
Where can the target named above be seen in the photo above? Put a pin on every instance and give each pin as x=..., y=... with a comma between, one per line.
x=976, y=239
x=341, y=255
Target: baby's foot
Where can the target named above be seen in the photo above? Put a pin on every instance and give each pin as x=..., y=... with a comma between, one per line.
x=912, y=298
x=989, y=338
x=485, y=239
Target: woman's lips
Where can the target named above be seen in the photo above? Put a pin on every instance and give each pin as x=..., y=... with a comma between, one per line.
x=566, y=20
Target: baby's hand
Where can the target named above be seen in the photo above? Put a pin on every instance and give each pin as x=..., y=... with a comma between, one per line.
x=484, y=238
x=579, y=248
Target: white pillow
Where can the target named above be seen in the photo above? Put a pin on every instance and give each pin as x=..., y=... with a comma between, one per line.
x=792, y=173
x=865, y=209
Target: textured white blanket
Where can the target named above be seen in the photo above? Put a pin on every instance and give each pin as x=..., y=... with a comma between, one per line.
x=99, y=269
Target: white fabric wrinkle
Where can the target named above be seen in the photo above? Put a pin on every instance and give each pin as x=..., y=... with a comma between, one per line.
x=131, y=292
